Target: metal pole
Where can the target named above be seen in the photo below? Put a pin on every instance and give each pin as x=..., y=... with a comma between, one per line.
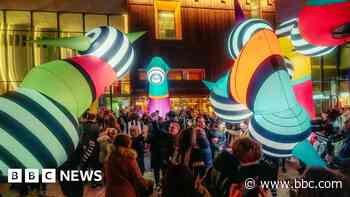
x=337, y=66
x=322, y=80
x=110, y=97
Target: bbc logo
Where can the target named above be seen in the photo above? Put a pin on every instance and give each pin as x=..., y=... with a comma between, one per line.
x=31, y=176
x=50, y=175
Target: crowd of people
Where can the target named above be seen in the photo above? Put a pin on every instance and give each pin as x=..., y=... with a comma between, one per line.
x=193, y=155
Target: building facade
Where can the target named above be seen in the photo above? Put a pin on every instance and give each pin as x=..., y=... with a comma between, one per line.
x=190, y=36
x=330, y=73
x=22, y=20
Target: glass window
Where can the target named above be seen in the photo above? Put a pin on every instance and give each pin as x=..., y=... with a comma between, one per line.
x=166, y=24
x=93, y=21
x=18, y=20
x=167, y=16
x=175, y=75
x=3, y=68
x=19, y=52
x=70, y=25
x=255, y=8
x=70, y=22
x=120, y=22
x=125, y=87
x=194, y=74
x=45, y=26
x=345, y=57
x=46, y=20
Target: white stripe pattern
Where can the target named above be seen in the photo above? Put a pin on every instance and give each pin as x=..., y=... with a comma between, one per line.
x=38, y=129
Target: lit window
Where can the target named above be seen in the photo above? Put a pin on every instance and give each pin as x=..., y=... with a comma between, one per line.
x=3, y=69
x=45, y=26
x=195, y=74
x=19, y=53
x=166, y=24
x=167, y=20
x=175, y=75
x=94, y=20
x=120, y=22
x=70, y=25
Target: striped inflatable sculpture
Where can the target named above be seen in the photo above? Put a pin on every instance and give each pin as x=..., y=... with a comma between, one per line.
x=260, y=81
x=290, y=29
x=224, y=107
x=38, y=121
x=325, y=22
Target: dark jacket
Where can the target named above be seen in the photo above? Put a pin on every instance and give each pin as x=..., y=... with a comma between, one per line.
x=216, y=147
x=138, y=144
x=202, y=153
x=162, y=148
x=227, y=170
x=90, y=146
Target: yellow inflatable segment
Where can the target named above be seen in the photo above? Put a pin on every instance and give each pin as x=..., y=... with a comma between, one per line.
x=301, y=63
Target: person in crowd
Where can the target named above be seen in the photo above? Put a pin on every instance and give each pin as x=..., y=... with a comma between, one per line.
x=138, y=144
x=123, y=120
x=170, y=117
x=201, y=156
x=231, y=134
x=179, y=181
x=201, y=123
x=74, y=162
x=162, y=147
x=105, y=140
x=134, y=120
x=230, y=169
x=109, y=120
x=339, y=184
x=345, y=116
x=244, y=128
x=90, y=146
x=123, y=176
x=217, y=137
x=182, y=154
x=183, y=119
x=326, y=125
x=342, y=159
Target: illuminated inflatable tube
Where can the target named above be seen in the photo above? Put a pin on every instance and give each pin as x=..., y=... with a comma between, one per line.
x=289, y=66
x=304, y=47
x=286, y=27
x=39, y=120
x=36, y=132
x=242, y=32
x=260, y=81
x=158, y=91
x=224, y=107
x=301, y=77
x=325, y=22
x=112, y=46
x=81, y=79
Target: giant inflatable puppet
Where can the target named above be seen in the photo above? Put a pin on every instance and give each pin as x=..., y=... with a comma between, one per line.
x=38, y=121
x=260, y=80
x=158, y=91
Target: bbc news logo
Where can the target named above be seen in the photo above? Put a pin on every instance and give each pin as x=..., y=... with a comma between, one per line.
x=52, y=175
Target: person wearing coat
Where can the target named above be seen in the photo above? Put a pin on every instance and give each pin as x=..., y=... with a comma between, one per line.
x=163, y=144
x=123, y=176
x=201, y=156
